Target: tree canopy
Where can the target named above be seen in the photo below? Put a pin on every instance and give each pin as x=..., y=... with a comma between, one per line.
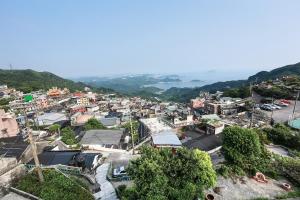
x=93, y=123
x=242, y=148
x=55, y=187
x=163, y=174
x=283, y=135
x=68, y=136
x=54, y=128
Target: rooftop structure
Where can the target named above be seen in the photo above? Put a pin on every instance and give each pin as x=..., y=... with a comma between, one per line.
x=50, y=118
x=102, y=138
x=8, y=124
x=165, y=139
x=155, y=125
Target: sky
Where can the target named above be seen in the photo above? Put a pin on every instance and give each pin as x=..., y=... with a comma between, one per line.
x=104, y=37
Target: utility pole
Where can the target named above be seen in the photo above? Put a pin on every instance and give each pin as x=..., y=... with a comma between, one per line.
x=272, y=111
x=252, y=114
x=33, y=148
x=131, y=131
x=295, y=104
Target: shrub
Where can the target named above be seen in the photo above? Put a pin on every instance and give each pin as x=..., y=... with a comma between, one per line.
x=93, y=123
x=68, y=136
x=55, y=187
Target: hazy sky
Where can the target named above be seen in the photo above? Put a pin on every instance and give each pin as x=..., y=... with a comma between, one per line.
x=81, y=38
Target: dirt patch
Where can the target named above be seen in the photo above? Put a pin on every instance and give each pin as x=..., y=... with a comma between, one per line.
x=245, y=188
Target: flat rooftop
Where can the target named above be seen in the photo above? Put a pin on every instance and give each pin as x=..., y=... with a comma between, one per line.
x=166, y=138
x=203, y=141
x=48, y=158
x=102, y=137
x=12, y=146
x=155, y=125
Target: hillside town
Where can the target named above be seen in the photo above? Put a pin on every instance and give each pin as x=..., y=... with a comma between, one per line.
x=93, y=137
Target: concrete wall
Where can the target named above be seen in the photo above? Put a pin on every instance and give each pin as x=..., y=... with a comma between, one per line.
x=8, y=125
x=7, y=164
x=27, y=154
x=7, y=178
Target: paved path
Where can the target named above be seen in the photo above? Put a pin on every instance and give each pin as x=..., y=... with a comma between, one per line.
x=107, y=190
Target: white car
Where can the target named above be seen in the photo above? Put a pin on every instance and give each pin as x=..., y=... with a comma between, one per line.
x=119, y=171
x=276, y=106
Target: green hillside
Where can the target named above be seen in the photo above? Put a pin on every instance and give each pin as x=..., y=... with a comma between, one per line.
x=185, y=94
x=29, y=80
x=276, y=73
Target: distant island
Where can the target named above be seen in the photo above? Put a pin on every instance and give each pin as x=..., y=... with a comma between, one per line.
x=196, y=80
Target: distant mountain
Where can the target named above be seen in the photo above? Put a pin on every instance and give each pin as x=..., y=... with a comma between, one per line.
x=28, y=80
x=131, y=84
x=185, y=94
x=276, y=73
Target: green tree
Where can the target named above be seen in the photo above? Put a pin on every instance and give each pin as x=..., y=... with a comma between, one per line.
x=93, y=123
x=55, y=187
x=55, y=128
x=283, y=135
x=163, y=174
x=242, y=148
x=135, y=126
x=68, y=136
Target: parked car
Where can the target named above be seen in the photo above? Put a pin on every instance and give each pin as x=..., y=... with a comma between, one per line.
x=119, y=172
x=281, y=104
x=274, y=106
x=285, y=101
x=266, y=107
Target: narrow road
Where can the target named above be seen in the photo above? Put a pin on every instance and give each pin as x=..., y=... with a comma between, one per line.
x=107, y=190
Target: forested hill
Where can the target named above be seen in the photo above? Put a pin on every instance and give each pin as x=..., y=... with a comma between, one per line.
x=185, y=94
x=29, y=80
x=276, y=73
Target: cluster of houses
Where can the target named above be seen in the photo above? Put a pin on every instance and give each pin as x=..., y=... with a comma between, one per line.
x=160, y=124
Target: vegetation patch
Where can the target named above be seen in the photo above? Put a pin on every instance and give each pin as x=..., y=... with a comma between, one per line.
x=68, y=136
x=55, y=187
x=166, y=174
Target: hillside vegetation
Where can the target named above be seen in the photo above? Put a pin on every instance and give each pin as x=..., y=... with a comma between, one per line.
x=185, y=94
x=29, y=80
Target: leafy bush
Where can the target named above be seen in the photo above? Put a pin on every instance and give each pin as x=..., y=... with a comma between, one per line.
x=283, y=135
x=68, y=136
x=93, y=123
x=55, y=187
x=244, y=152
x=165, y=174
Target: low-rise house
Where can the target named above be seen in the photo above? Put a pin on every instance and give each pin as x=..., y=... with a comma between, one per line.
x=42, y=102
x=48, y=119
x=79, y=119
x=70, y=161
x=110, y=122
x=165, y=139
x=8, y=124
x=102, y=139
x=92, y=108
x=77, y=108
x=214, y=127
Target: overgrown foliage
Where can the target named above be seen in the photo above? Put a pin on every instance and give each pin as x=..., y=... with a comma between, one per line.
x=163, y=174
x=68, y=136
x=30, y=80
x=93, y=123
x=56, y=187
x=241, y=92
x=55, y=128
x=242, y=149
x=134, y=125
x=283, y=135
